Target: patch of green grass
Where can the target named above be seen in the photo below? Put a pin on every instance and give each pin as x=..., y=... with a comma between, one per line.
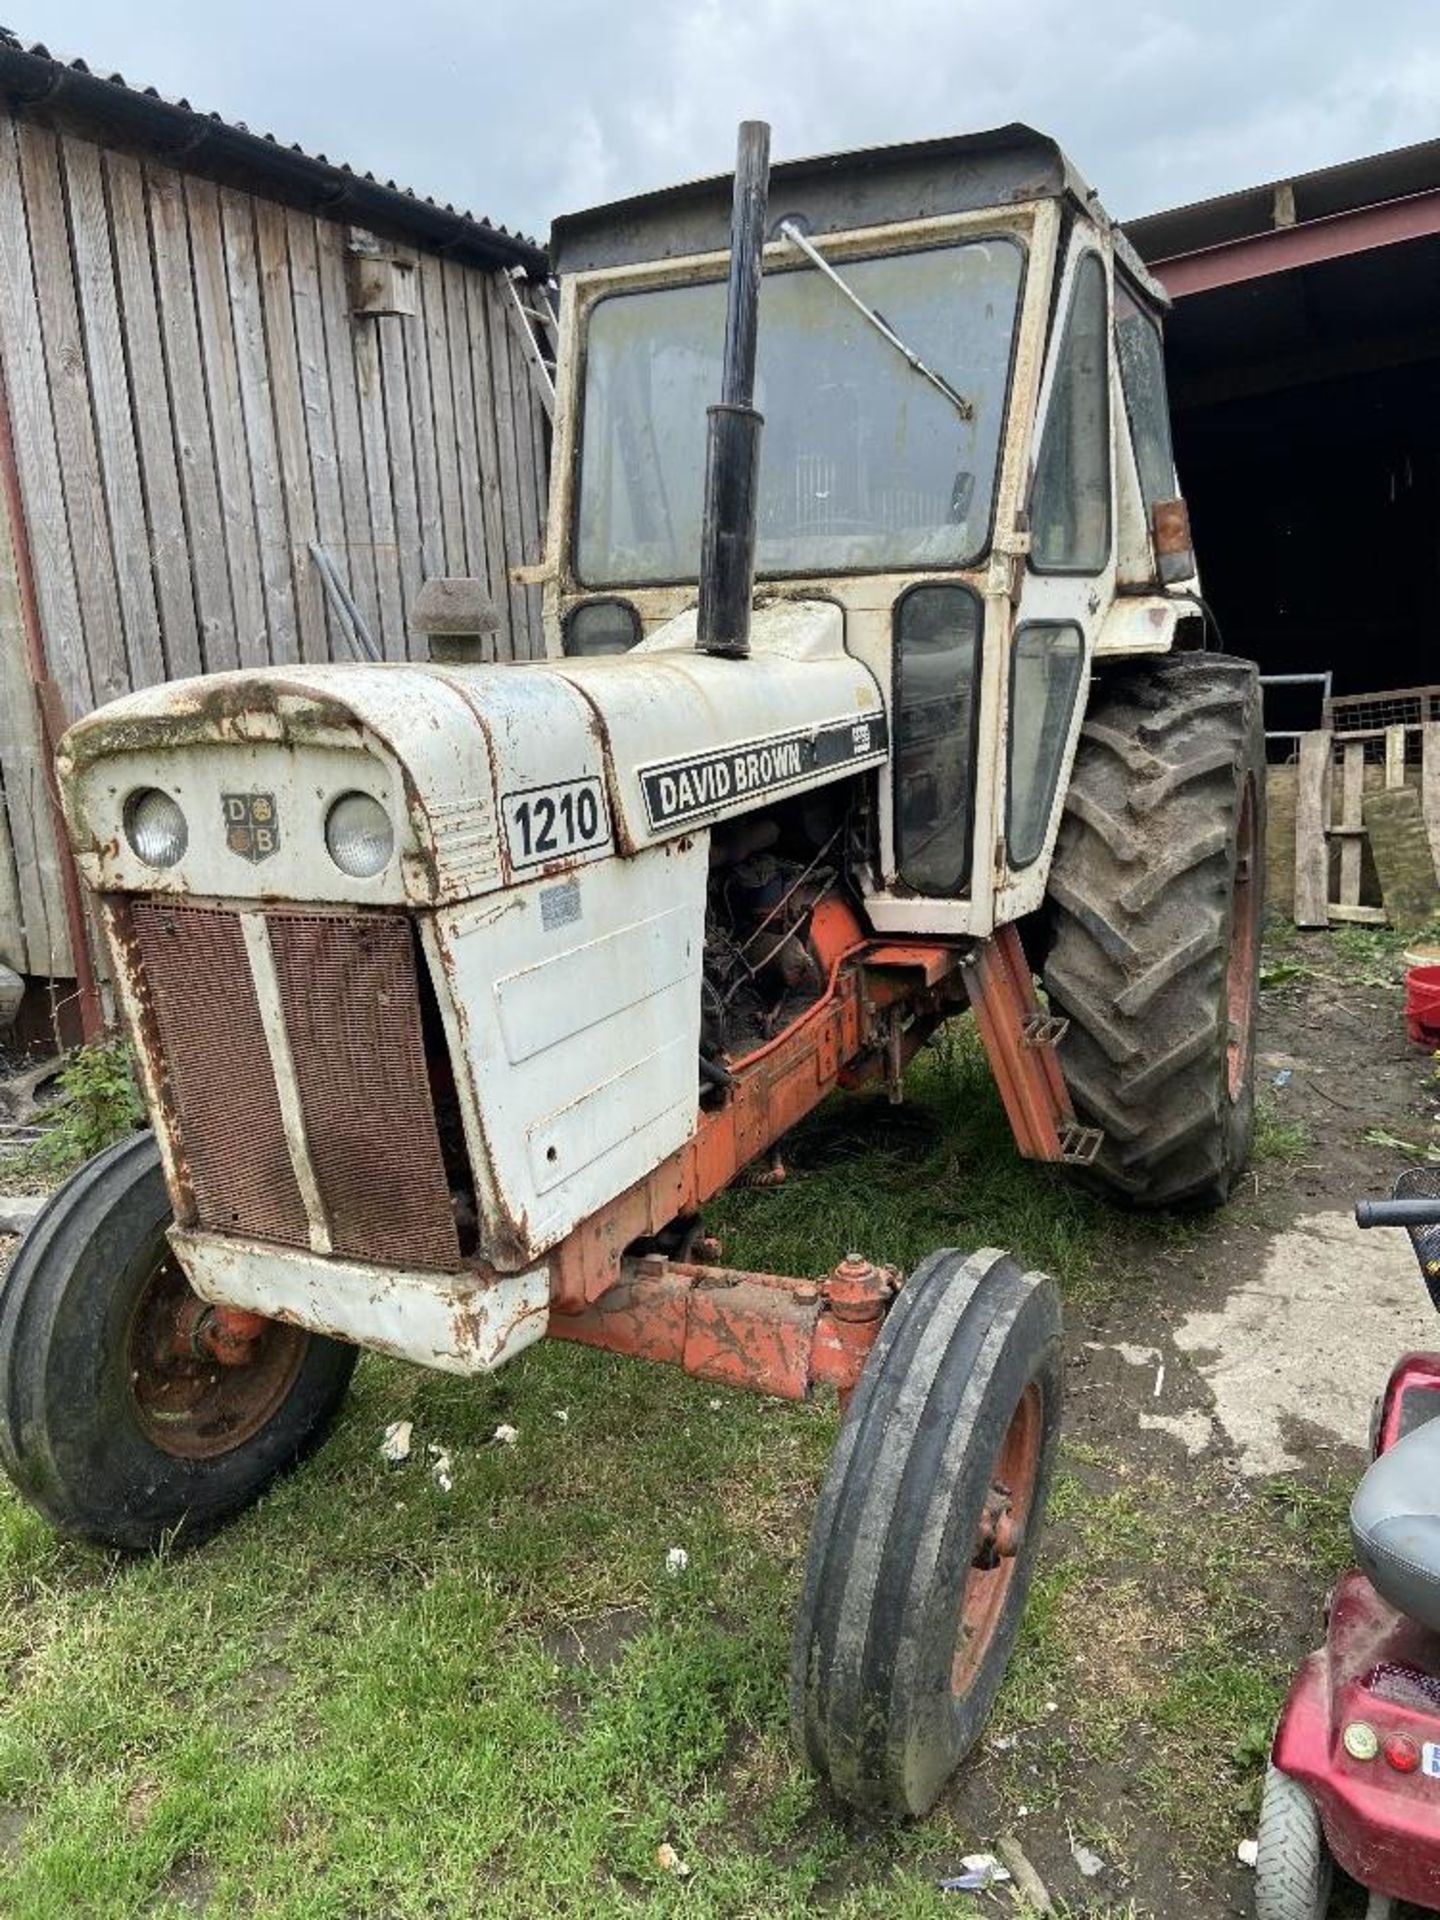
x=1283, y=973
x=370, y=1697
x=1278, y=1138
x=1380, y=950
x=895, y=1183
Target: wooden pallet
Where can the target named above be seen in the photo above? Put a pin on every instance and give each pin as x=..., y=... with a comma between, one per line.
x=1328, y=756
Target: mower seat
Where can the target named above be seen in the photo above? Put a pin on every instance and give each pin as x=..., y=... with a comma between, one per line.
x=1395, y=1524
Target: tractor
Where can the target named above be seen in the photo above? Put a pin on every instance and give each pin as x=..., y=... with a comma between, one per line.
x=876, y=688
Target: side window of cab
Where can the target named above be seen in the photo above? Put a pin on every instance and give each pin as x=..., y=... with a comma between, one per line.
x=1141, y=359
x=1070, y=498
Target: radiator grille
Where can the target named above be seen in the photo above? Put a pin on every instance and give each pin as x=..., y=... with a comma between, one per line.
x=197, y=975
x=350, y=999
x=352, y=1008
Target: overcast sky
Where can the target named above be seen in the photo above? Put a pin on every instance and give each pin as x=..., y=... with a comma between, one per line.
x=529, y=108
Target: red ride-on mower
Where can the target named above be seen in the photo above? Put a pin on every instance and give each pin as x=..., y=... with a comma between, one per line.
x=1354, y=1775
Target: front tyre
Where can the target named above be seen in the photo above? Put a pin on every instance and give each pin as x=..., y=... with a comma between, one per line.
x=115, y=1421
x=927, y=1529
x=1293, y=1869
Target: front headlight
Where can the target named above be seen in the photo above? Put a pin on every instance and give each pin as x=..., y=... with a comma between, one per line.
x=155, y=827
x=359, y=835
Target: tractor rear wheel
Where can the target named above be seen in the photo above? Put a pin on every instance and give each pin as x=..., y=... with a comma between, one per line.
x=926, y=1534
x=1154, y=906
x=116, y=1420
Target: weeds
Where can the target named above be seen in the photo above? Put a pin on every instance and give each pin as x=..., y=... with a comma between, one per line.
x=98, y=1104
x=1277, y=1138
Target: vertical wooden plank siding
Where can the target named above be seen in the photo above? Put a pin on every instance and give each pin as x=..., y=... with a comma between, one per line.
x=100, y=632
x=175, y=589
x=400, y=443
x=1430, y=784
x=237, y=220
x=1312, y=822
x=291, y=439
x=113, y=410
x=416, y=344
x=370, y=388
x=37, y=453
x=205, y=522
x=222, y=387
x=488, y=378
x=38, y=934
x=1394, y=757
x=476, y=557
x=1352, y=822
x=349, y=440
x=496, y=327
x=193, y=403
x=13, y=952
x=441, y=404
x=318, y=406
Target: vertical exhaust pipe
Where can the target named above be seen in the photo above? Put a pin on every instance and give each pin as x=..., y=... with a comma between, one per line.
x=732, y=455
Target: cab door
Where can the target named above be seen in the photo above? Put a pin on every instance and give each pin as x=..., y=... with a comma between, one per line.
x=1069, y=578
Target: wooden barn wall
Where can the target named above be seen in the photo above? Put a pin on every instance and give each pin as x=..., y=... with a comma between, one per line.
x=192, y=404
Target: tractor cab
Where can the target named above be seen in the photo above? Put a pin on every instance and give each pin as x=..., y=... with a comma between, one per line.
x=965, y=450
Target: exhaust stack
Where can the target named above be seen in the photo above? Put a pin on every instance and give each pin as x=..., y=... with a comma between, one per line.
x=732, y=457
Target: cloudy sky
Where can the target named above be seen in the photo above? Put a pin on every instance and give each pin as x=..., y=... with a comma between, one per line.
x=528, y=108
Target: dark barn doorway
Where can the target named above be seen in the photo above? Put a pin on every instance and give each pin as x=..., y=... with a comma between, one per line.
x=1304, y=365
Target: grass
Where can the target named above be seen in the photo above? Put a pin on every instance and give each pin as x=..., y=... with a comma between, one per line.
x=1278, y=1137
x=374, y=1698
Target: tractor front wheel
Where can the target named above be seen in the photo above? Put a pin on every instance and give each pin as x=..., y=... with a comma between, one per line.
x=926, y=1534
x=117, y=1419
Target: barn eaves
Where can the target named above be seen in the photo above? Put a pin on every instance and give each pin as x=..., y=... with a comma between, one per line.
x=68, y=94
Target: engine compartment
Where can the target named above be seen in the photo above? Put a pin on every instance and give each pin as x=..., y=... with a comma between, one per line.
x=768, y=872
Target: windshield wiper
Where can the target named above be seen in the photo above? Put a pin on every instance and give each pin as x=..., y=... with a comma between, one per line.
x=961, y=405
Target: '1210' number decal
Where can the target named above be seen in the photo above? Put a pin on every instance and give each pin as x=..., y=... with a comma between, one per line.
x=555, y=823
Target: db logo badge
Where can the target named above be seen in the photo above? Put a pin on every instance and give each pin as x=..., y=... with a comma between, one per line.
x=251, y=827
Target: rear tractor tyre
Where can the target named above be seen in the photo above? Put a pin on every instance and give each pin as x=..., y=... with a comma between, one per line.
x=115, y=1421
x=926, y=1533
x=1154, y=905
x=1293, y=1868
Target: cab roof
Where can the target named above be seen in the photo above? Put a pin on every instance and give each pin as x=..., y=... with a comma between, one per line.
x=870, y=187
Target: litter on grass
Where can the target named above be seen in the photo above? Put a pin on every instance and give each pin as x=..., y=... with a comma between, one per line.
x=505, y=1436
x=982, y=1870
x=395, y=1447
x=442, y=1470
x=1088, y=1861
x=669, y=1859
x=676, y=1561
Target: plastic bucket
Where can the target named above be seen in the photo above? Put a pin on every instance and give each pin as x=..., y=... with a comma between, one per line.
x=1422, y=1006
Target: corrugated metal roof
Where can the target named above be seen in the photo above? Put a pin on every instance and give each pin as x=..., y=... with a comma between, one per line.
x=110, y=108
x=1353, y=184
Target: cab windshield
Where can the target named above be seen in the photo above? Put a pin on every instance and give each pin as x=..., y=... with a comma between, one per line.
x=865, y=465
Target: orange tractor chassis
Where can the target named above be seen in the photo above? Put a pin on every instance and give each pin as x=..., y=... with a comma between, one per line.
x=779, y=1333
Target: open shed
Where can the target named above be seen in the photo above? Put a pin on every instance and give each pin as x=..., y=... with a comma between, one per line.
x=1304, y=364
